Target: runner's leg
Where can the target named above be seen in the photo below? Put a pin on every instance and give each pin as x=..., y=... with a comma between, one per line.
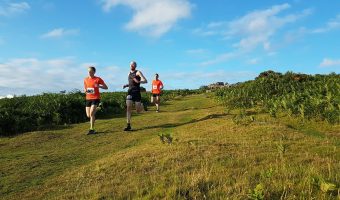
x=157, y=102
x=129, y=103
x=139, y=107
x=128, y=110
x=87, y=108
x=100, y=106
x=152, y=99
x=93, y=111
x=138, y=102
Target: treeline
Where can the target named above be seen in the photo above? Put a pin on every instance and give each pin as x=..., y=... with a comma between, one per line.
x=306, y=96
x=29, y=113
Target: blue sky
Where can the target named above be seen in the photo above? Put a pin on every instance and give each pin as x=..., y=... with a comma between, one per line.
x=47, y=45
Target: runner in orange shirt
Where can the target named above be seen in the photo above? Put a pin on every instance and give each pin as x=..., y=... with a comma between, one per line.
x=157, y=87
x=92, y=84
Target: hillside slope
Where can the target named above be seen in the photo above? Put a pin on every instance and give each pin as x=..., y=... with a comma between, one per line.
x=211, y=157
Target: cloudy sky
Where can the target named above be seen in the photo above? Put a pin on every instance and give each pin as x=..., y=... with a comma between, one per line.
x=46, y=45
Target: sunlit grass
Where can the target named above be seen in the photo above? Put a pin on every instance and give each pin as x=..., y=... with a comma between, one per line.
x=211, y=156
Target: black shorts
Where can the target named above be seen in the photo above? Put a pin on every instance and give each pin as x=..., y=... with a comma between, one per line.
x=156, y=95
x=91, y=102
x=134, y=96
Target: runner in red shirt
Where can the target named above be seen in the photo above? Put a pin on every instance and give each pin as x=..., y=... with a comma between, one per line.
x=92, y=84
x=157, y=87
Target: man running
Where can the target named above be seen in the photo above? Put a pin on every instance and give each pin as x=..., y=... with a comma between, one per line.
x=92, y=84
x=157, y=87
x=135, y=78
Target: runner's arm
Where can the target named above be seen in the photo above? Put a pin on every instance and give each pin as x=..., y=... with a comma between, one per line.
x=85, y=87
x=162, y=86
x=102, y=84
x=142, y=78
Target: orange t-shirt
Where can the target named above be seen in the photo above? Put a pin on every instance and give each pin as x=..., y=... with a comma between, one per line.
x=156, y=86
x=91, y=86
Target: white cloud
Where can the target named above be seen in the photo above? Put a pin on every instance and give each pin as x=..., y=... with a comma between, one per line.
x=152, y=17
x=54, y=74
x=253, y=61
x=254, y=29
x=36, y=74
x=258, y=27
x=9, y=96
x=248, y=32
x=272, y=53
x=327, y=62
x=85, y=65
x=219, y=58
x=60, y=32
x=330, y=25
x=212, y=29
x=195, y=56
x=32, y=75
x=292, y=36
x=11, y=9
x=206, y=32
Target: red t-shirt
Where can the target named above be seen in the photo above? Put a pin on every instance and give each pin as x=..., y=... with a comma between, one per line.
x=156, y=86
x=91, y=86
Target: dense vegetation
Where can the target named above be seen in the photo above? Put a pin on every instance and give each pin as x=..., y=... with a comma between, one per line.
x=28, y=113
x=307, y=96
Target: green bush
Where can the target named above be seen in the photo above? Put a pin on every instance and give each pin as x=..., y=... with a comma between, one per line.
x=307, y=96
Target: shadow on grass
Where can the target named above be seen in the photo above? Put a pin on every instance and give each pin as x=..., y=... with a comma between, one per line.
x=173, y=125
x=307, y=131
x=192, y=108
x=104, y=132
x=40, y=129
x=63, y=127
x=110, y=116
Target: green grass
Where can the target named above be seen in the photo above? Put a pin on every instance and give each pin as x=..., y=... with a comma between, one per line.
x=211, y=157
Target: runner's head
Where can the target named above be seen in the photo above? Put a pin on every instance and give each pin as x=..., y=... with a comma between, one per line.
x=156, y=76
x=91, y=70
x=133, y=65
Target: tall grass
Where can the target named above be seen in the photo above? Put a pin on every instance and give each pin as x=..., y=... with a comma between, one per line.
x=306, y=96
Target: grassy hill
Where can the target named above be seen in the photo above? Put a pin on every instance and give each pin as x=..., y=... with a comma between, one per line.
x=212, y=156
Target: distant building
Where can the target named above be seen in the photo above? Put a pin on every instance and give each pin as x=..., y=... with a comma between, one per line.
x=217, y=85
